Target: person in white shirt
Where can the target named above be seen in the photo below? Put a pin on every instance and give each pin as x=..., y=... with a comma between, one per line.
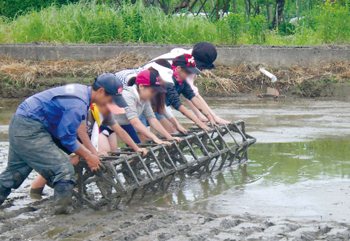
x=204, y=54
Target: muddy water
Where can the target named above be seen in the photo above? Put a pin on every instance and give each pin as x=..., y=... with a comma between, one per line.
x=297, y=176
x=299, y=168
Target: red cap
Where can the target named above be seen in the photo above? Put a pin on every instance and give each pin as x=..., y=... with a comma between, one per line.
x=187, y=62
x=150, y=78
x=113, y=108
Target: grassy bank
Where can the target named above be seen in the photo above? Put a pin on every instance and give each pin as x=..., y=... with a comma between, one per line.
x=24, y=78
x=93, y=23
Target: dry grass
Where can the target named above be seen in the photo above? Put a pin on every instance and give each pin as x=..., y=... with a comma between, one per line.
x=235, y=79
x=27, y=71
x=222, y=83
x=246, y=78
x=243, y=78
x=340, y=71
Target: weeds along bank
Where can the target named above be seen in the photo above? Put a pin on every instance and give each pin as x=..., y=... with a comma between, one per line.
x=94, y=23
x=22, y=78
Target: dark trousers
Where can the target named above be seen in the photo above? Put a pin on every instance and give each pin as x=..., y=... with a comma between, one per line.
x=32, y=147
x=132, y=133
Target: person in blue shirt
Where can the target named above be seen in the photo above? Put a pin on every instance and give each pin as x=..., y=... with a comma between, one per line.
x=183, y=66
x=47, y=122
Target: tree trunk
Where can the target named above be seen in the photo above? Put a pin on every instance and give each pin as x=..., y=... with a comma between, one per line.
x=212, y=3
x=225, y=8
x=257, y=9
x=268, y=12
x=297, y=6
x=279, y=13
x=247, y=8
x=234, y=6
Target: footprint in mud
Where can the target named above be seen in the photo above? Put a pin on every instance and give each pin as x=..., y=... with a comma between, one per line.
x=165, y=236
x=229, y=223
x=15, y=213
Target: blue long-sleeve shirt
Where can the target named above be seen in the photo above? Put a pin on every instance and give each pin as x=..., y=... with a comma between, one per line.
x=60, y=110
x=174, y=91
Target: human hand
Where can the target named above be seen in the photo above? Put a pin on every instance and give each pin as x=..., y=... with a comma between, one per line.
x=160, y=142
x=181, y=129
x=178, y=139
x=221, y=121
x=212, y=121
x=143, y=151
x=94, y=162
x=204, y=127
x=203, y=119
x=102, y=153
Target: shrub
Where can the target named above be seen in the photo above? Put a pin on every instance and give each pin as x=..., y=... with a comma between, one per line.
x=256, y=29
x=235, y=25
x=90, y=22
x=9, y=8
x=93, y=23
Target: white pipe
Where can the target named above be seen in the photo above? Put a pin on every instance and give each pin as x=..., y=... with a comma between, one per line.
x=268, y=74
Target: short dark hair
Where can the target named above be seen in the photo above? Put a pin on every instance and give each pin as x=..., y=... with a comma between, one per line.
x=131, y=81
x=95, y=87
x=163, y=62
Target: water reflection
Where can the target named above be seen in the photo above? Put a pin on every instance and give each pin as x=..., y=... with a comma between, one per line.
x=216, y=184
x=271, y=164
x=289, y=163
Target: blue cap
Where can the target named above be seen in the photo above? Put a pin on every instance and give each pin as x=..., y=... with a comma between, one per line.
x=113, y=86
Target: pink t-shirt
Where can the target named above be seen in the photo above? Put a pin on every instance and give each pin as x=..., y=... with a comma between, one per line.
x=172, y=55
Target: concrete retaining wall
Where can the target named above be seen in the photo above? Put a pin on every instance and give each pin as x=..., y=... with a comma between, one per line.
x=271, y=56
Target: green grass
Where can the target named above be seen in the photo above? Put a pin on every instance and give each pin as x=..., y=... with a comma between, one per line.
x=95, y=23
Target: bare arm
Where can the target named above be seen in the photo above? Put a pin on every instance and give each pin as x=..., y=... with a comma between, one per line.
x=216, y=118
x=201, y=107
x=127, y=139
x=196, y=111
x=155, y=124
x=191, y=116
x=167, y=113
x=92, y=160
x=177, y=125
x=137, y=124
x=86, y=139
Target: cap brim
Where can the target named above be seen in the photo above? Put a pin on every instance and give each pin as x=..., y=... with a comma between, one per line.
x=115, y=109
x=159, y=89
x=194, y=70
x=119, y=101
x=167, y=78
x=203, y=65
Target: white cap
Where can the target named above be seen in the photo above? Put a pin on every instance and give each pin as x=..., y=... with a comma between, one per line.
x=165, y=73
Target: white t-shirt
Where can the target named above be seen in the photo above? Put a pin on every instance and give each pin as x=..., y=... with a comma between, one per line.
x=171, y=56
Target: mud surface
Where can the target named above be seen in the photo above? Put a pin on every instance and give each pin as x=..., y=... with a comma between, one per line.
x=295, y=186
x=157, y=224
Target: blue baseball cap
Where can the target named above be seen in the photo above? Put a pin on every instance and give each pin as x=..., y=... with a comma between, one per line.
x=113, y=86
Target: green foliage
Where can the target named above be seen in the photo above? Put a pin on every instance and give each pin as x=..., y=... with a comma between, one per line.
x=9, y=8
x=285, y=28
x=332, y=24
x=93, y=23
x=256, y=29
x=234, y=26
x=90, y=22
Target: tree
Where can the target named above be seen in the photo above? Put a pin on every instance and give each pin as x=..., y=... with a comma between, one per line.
x=278, y=13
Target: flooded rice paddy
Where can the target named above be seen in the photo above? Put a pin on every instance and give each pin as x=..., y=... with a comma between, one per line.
x=296, y=185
